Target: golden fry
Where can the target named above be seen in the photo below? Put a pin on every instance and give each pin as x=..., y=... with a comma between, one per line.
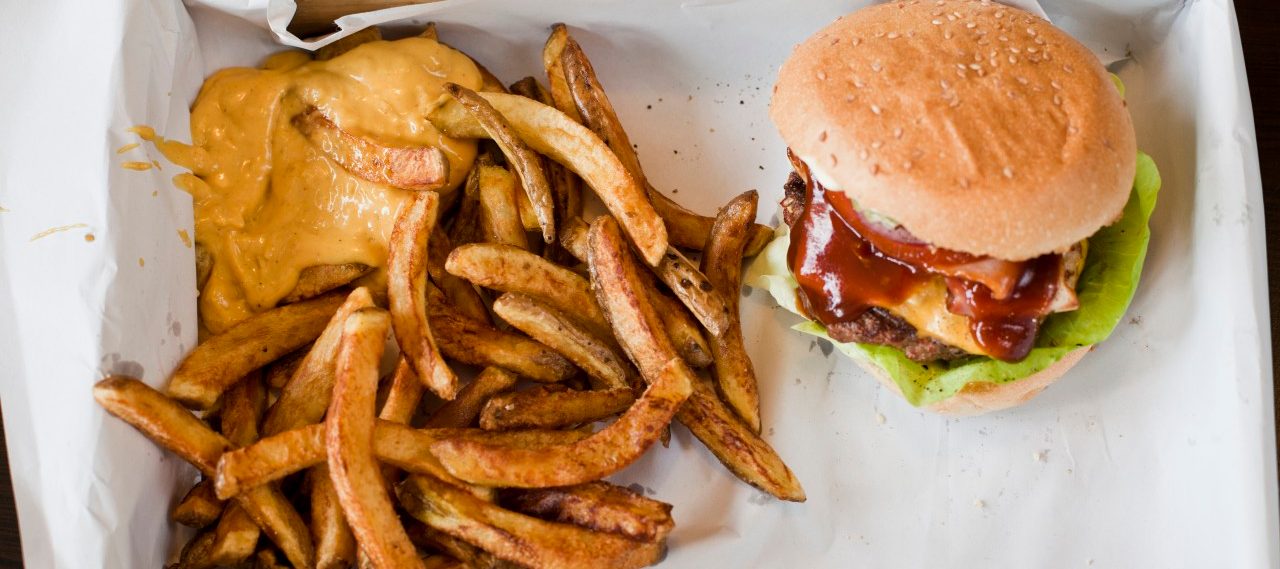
x=406, y=293
x=595, y=355
x=319, y=279
x=742, y=451
x=516, y=537
x=499, y=207
x=199, y=507
x=349, y=428
x=522, y=159
x=222, y=360
x=540, y=408
x=348, y=43
x=463, y=410
x=695, y=291
x=476, y=343
x=416, y=168
x=335, y=544
x=305, y=397
x=600, y=506
x=722, y=263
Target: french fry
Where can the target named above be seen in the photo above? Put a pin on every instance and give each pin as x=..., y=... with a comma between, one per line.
x=476, y=343
x=403, y=397
x=280, y=455
x=470, y=555
x=684, y=228
x=319, y=279
x=679, y=324
x=200, y=507
x=349, y=428
x=516, y=537
x=524, y=207
x=621, y=443
x=429, y=32
x=467, y=225
x=348, y=43
x=463, y=410
x=509, y=269
x=195, y=551
x=539, y=408
x=586, y=349
x=557, y=136
x=168, y=424
x=416, y=168
x=460, y=293
x=219, y=362
x=739, y=449
x=693, y=289
x=523, y=159
x=599, y=506
x=565, y=186
x=406, y=291
x=722, y=264
x=552, y=53
x=236, y=535
x=276, y=374
x=499, y=210
x=305, y=397
x=335, y=544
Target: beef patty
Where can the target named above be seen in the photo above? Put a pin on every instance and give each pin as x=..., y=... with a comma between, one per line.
x=877, y=325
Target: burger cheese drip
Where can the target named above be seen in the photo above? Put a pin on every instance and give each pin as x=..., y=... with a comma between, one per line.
x=268, y=201
x=846, y=264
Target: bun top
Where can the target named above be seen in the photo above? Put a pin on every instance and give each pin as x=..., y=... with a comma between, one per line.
x=979, y=127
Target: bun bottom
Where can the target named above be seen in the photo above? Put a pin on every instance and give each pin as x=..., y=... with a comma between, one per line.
x=978, y=397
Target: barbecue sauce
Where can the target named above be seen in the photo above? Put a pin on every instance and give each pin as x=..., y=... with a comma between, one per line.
x=846, y=264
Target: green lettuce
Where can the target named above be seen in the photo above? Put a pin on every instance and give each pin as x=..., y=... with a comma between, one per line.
x=1105, y=288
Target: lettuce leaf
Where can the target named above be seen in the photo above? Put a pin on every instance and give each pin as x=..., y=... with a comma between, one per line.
x=1107, y=285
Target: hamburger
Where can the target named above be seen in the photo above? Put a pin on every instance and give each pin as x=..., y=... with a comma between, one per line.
x=968, y=210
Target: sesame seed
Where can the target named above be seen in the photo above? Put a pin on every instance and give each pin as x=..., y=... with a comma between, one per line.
x=960, y=73
x=897, y=132
x=954, y=103
x=856, y=40
x=879, y=34
x=1031, y=31
x=875, y=66
x=971, y=25
x=1057, y=100
x=864, y=154
x=936, y=12
x=875, y=145
x=975, y=67
x=1072, y=129
x=940, y=3
x=1067, y=67
x=858, y=83
x=875, y=109
x=833, y=159
x=1015, y=50
x=944, y=84
x=1008, y=172
x=1013, y=59
x=822, y=75
x=999, y=14
x=893, y=35
x=1003, y=37
x=1033, y=49
x=849, y=98
x=907, y=165
x=959, y=66
x=1039, y=40
x=937, y=22
x=964, y=183
x=947, y=34
x=951, y=18
x=1055, y=84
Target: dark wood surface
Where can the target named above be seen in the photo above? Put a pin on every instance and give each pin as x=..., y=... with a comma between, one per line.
x=1260, y=33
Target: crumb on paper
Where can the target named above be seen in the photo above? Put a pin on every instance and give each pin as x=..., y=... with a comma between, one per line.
x=142, y=262
x=979, y=504
x=1040, y=455
x=156, y=163
x=880, y=419
x=59, y=229
x=126, y=148
x=185, y=237
x=3, y=209
x=89, y=237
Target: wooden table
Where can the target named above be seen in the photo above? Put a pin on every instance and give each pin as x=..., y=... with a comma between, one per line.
x=1260, y=32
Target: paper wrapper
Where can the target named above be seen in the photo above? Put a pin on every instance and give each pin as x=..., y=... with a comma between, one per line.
x=1158, y=450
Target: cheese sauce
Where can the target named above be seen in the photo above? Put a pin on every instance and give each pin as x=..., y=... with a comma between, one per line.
x=268, y=203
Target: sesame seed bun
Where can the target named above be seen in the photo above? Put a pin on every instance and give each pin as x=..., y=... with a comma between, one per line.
x=978, y=397
x=979, y=127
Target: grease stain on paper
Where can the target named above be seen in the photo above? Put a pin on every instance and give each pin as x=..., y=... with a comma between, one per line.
x=114, y=364
x=58, y=229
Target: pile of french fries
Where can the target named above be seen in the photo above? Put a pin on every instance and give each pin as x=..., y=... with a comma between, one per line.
x=300, y=441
